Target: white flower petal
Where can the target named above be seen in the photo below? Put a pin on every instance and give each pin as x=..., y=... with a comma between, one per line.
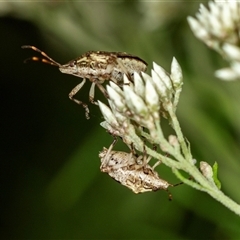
x=139, y=87
x=199, y=31
x=163, y=75
x=116, y=87
x=176, y=73
x=232, y=51
x=108, y=115
x=160, y=86
x=116, y=98
x=236, y=67
x=227, y=74
x=134, y=102
x=227, y=18
x=151, y=97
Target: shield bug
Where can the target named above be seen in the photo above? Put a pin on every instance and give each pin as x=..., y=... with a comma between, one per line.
x=132, y=171
x=97, y=66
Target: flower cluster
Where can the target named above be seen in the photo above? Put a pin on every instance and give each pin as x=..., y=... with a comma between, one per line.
x=219, y=28
x=139, y=104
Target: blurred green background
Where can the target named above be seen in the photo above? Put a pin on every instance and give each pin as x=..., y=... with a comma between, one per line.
x=51, y=185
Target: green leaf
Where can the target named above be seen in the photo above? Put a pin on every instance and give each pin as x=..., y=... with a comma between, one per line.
x=215, y=178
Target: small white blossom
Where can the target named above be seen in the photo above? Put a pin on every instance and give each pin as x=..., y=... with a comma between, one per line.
x=214, y=10
x=160, y=86
x=218, y=23
x=206, y=169
x=116, y=87
x=232, y=51
x=207, y=172
x=163, y=75
x=176, y=73
x=229, y=74
x=110, y=129
x=116, y=98
x=134, y=102
x=108, y=115
x=226, y=74
x=151, y=96
x=236, y=67
x=137, y=104
x=227, y=19
x=138, y=85
x=199, y=31
x=219, y=28
x=173, y=140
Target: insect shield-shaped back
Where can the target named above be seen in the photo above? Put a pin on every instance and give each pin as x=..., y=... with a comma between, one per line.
x=101, y=66
x=124, y=168
x=127, y=64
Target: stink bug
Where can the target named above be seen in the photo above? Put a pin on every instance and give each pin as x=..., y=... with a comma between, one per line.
x=97, y=66
x=132, y=171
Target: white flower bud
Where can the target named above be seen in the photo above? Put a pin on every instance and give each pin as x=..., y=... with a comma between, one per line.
x=236, y=67
x=172, y=139
x=134, y=102
x=232, y=51
x=199, y=31
x=227, y=74
x=215, y=10
x=176, y=73
x=108, y=115
x=151, y=97
x=234, y=9
x=116, y=98
x=116, y=87
x=104, y=124
x=110, y=129
x=227, y=19
x=216, y=27
x=139, y=85
x=163, y=75
x=206, y=170
x=203, y=10
x=160, y=86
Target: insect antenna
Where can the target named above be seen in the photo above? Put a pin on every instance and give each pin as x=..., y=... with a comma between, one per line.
x=47, y=59
x=170, y=197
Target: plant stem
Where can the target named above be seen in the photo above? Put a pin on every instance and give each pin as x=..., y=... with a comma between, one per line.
x=177, y=128
x=206, y=186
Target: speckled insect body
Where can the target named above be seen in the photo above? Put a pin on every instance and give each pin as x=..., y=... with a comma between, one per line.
x=102, y=66
x=98, y=67
x=132, y=171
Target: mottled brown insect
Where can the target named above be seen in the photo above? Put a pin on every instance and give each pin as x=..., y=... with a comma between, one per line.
x=132, y=171
x=97, y=66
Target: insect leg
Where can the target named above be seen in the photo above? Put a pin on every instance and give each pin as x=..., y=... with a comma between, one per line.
x=145, y=158
x=74, y=92
x=156, y=164
x=106, y=158
x=92, y=93
x=102, y=89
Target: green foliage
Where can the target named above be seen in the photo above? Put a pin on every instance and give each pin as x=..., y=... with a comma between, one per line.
x=215, y=175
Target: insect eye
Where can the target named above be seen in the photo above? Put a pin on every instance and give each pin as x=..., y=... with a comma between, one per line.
x=72, y=63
